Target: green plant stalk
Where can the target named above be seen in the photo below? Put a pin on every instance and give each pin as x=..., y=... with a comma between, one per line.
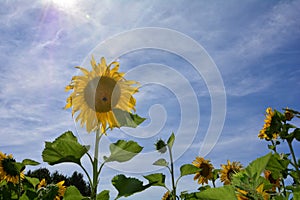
x=294, y=160
x=172, y=173
x=94, y=185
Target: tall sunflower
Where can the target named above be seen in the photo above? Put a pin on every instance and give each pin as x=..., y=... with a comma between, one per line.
x=260, y=191
x=8, y=169
x=206, y=170
x=228, y=170
x=61, y=190
x=98, y=93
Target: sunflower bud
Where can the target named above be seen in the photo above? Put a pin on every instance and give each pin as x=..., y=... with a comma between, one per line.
x=161, y=146
x=288, y=114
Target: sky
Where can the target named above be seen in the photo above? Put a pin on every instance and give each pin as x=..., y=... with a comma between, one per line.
x=207, y=69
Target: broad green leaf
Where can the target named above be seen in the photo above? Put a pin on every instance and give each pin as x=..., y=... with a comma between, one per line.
x=127, y=119
x=156, y=179
x=33, y=181
x=127, y=186
x=276, y=165
x=104, y=195
x=122, y=151
x=72, y=193
x=188, y=169
x=161, y=162
x=220, y=193
x=65, y=148
x=30, y=162
x=256, y=167
x=171, y=140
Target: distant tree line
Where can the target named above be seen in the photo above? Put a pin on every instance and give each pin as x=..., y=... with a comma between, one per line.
x=76, y=179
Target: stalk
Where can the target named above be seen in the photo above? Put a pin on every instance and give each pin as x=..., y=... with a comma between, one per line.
x=172, y=173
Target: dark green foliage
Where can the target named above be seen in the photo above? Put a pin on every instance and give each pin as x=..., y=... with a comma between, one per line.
x=76, y=179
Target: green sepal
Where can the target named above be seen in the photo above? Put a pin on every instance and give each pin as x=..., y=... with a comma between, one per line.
x=122, y=151
x=30, y=162
x=127, y=186
x=161, y=162
x=65, y=148
x=127, y=119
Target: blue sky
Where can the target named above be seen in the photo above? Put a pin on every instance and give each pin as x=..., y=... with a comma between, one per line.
x=253, y=44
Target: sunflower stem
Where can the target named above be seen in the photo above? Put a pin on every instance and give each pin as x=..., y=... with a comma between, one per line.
x=294, y=159
x=95, y=165
x=172, y=172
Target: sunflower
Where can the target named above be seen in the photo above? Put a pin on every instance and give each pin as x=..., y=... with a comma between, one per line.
x=42, y=183
x=269, y=177
x=98, y=93
x=228, y=170
x=262, y=133
x=61, y=190
x=8, y=169
x=166, y=196
x=58, y=187
x=243, y=195
x=206, y=170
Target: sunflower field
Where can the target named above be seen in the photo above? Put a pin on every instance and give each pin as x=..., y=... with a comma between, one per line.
x=102, y=100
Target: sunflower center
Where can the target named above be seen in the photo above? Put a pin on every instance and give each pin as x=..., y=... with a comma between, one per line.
x=230, y=173
x=205, y=169
x=102, y=94
x=9, y=166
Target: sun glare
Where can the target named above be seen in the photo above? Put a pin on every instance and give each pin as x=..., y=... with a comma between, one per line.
x=65, y=4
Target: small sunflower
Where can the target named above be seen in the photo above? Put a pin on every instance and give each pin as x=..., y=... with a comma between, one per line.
x=8, y=169
x=228, y=170
x=263, y=132
x=243, y=195
x=42, y=183
x=61, y=190
x=97, y=93
x=206, y=170
x=269, y=177
x=166, y=196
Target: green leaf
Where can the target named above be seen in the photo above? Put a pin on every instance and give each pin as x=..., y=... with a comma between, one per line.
x=65, y=148
x=24, y=197
x=188, y=169
x=157, y=179
x=127, y=186
x=276, y=165
x=33, y=181
x=104, y=195
x=122, y=151
x=256, y=167
x=171, y=140
x=72, y=193
x=220, y=193
x=161, y=162
x=127, y=119
x=30, y=162
x=297, y=134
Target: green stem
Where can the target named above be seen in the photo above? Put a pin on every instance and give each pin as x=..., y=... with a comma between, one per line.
x=87, y=174
x=95, y=165
x=294, y=159
x=172, y=172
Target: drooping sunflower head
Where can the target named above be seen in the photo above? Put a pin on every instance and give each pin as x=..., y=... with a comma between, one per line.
x=98, y=93
x=9, y=170
x=206, y=172
x=264, y=132
x=228, y=170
